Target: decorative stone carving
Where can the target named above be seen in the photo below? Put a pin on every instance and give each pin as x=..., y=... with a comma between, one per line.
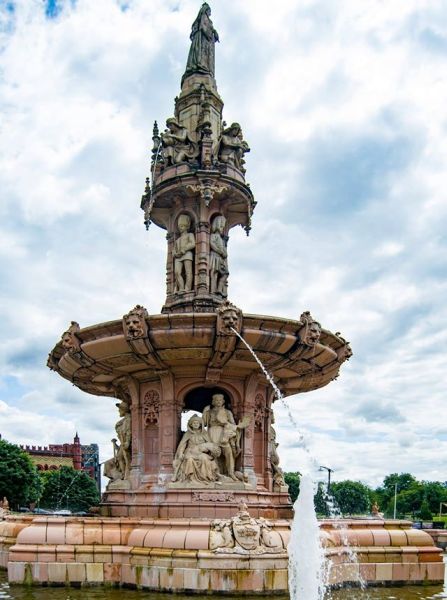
x=70, y=341
x=229, y=317
x=117, y=469
x=184, y=255
x=223, y=431
x=194, y=460
x=277, y=472
x=134, y=323
x=232, y=147
x=207, y=189
x=203, y=37
x=310, y=332
x=244, y=535
x=213, y=497
x=218, y=257
x=221, y=535
x=151, y=407
x=4, y=507
x=177, y=145
x=259, y=412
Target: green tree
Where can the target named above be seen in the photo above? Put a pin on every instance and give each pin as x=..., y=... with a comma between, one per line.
x=321, y=507
x=68, y=488
x=293, y=481
x=352, y=497
x=19, y=480
x=435, y=493
x=425, y=512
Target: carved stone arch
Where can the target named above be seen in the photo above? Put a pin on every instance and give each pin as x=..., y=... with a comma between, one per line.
x=231, y=393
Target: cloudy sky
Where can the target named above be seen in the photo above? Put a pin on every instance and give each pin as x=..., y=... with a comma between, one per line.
x=344, y=106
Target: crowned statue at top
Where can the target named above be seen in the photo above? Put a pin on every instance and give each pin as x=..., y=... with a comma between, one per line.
x=203, y=37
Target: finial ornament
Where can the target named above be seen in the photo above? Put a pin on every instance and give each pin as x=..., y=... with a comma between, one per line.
x=203, y=37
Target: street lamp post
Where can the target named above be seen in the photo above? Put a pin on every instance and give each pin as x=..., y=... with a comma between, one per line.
x=395, y=500
x=329, y=471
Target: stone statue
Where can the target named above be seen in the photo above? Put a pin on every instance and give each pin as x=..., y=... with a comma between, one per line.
x=118, y=467
x=176, y=143
x=183, y=255
x=223, y=431
x=203, y=37
x=194, y=460
x=310, y=333
x=232, y=147
x=277, y=472
x=70, y=341
x=218, y=257
x=134, y=323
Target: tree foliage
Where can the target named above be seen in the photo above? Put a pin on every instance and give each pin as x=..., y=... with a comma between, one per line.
x=68, y=488
x=19, y=480
x=293, y=481
x=414, y=498
x=352, y=497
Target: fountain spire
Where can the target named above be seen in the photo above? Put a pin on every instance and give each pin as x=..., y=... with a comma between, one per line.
x=197, y=189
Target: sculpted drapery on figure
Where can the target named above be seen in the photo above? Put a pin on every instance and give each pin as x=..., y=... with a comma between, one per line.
x=194, y=460
x=183, y=255
x=232, y=147
x=177, y=144
x=203, y=37
x=223, y=431
x=218, y=257
x=118, y=467
x=209, y=448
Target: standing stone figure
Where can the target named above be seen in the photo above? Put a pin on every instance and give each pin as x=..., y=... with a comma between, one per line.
x=183, y=255
x=118, y=467
x=223, y=431
x=277, y=472
x=203, y=37
x=218, y=257
x=177, y=145
x=194, y=459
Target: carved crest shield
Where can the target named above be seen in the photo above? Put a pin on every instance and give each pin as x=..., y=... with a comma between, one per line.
x=247, y=533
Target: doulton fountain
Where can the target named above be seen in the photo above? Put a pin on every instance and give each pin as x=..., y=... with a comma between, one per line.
x=206, y=508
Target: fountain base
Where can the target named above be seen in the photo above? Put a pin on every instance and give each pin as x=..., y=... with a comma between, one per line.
x=175, y=554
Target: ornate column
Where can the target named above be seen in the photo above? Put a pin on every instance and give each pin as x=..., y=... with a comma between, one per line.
x=168, y=425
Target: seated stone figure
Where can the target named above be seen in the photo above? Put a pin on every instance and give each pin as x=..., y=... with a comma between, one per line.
x=232, y=147
x=177, y=144
x=194, y=459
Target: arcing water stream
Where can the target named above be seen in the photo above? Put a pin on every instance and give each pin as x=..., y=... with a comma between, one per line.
x=308, y=568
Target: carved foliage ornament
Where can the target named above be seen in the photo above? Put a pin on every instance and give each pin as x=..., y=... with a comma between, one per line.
x=207, y=189
x=259, y=412
x=151, y=407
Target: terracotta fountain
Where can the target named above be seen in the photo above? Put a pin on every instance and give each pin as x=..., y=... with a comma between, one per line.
x=205, y=508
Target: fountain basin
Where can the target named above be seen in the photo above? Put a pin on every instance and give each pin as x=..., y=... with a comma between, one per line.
x=175, y=554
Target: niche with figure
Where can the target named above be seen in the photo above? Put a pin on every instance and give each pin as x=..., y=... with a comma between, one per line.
x=211, y=445
x=183, y=253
